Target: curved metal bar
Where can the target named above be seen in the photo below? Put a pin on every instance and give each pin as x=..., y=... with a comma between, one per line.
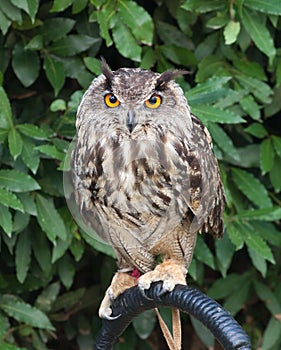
x=189, y=300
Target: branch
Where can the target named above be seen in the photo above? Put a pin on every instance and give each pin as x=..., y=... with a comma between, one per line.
x=187, y=299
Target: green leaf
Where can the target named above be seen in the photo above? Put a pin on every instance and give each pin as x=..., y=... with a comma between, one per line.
x=32, y=131
x=250, y=68
x=15, y=143
x=17, y=181
x=231, y=32
x=60, y=248
x=272, y=334
x=28, y=203
x=125, y=42
x=4, y=327
x=4, y=23
x=56, y=28
x=171, y=35
x=223, y=141
x=257, y=130
x=148, y=58
x=258, y=261
x=29, y=6
x=45, y=300
x=259, y=89
x=20, y=4
x=55, y=73
x=25, y=313
x=6, y=220
x=235, y=236
x=77, y=248
x=144, y=323
x=67, y=300
x=178, y=55
x=9, y=199
x=58, y=105
x=3, y=135
x=251, y=187
x=51, y=151
x=203, y=253
x=203, y=333
x=23, y=255
x=258, y=31
x=30, y=156
x=271, y=7
x=32, y=8
x=251, y=107
x=210, y=97
x=25, y=64
x=137, y=19
x=224, y=287
x=60, y=5
x=210, y=85
x=6, y=346
x=93, y=64
x=6, y=120
x=268, y=231
x=49, y=219
x=274, y=175
x=11, y=11
x=42, y=252
x=224, y=252
x=217, y=22
x=237, y=299
x=266, y=156
x=104, y=16
x=254, y=241
x=36, y=43
x=263, y=214
x=21, y=221
x=78, y=5
x=66, y=271
x=277, y=144
x=278, y=73
x=98, y=245
x=216, y=115
x=202, y=6
x=269, y=298
x=72, y=45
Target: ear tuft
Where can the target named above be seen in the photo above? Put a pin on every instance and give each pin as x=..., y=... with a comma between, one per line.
x=106, y=71
x=168, y=76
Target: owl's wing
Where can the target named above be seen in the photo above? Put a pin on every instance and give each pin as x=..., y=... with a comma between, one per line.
x=209, y=207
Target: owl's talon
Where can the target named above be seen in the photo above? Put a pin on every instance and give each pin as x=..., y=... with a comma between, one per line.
x=143, y=293
x=162, y=292
x=110, y=318
x=111, y=294
x=170, y=272
x=120, y=282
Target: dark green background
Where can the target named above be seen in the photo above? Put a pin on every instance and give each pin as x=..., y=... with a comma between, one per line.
x=52, y=274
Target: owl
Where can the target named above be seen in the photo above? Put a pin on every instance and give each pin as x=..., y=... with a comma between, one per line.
x=145, y=176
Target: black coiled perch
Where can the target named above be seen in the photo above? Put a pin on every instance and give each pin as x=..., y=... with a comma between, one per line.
x=189, y=300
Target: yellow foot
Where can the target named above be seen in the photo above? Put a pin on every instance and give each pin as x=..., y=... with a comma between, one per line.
x=170, y=272
x=120, y=282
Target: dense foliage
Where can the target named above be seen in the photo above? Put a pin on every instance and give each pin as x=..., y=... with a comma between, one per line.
x=52, y=274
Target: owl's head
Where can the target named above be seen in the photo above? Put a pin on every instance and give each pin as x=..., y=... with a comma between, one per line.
x=130, y=97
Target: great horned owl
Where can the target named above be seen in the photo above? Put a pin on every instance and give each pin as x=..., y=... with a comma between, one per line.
x=145, y=176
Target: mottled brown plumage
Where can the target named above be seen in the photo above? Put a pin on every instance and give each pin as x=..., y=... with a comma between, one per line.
x=146, y=179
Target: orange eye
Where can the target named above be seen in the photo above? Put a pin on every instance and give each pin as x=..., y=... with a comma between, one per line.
x=154, y=101
x=111, y=100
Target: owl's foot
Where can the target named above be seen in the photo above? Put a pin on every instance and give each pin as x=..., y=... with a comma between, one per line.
x=120, y=282
x=170, y=272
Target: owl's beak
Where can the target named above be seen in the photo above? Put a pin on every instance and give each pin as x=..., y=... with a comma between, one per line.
x=131, y=120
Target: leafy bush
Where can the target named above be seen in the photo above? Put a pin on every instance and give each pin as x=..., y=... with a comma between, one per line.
x=53, y=274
